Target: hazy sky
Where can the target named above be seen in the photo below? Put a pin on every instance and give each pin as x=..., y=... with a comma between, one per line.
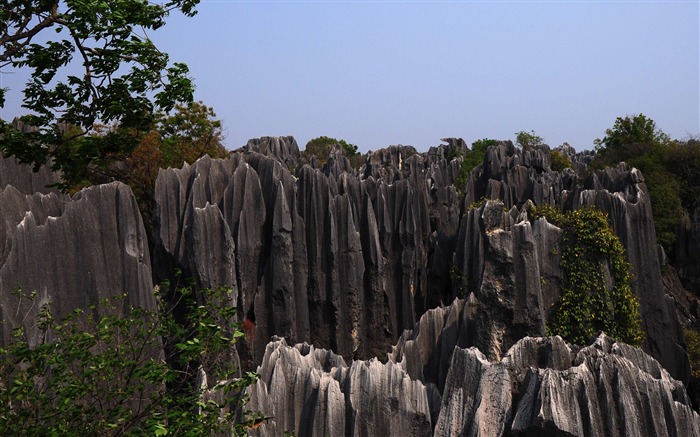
x=412, y=72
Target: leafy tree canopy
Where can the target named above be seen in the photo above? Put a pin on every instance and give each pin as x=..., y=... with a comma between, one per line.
x=627, y=131
x=528, y=140
x=123, y=77
x=637, y=141
x=684, y=157
x=324, y=143
x=184, y=135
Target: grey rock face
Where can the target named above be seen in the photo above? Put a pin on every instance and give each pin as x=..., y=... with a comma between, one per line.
x=621, y=193
x=283, y=149
x=611, y=389
x=24, y=179
x=349, y=261
x=313, y=392
x=541, y=386
x=72, y=252
x=608, y=389
x=355, y=262
x=323, y=257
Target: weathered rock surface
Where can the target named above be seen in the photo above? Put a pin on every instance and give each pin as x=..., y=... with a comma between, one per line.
x=283, y=149
x=347, y=260
x=355, y=261
x=621, y=193
x=72, y=252
x=337, y=261
x=313, y=392
x=24, y=179
x=541, y=386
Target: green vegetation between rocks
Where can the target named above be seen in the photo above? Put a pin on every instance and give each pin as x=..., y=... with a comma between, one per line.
x=692, y=339
x=126, y=371
x=596, y=294
x=472, y=158
x=560, y=161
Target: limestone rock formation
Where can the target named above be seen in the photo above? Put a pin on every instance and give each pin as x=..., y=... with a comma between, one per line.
x=313, y=392
x=338, y=261
x=355, y=261
x=24, y=179
x=621, y=193
x=71, y=252
x=544, y=387
x=348, y=260
x=283, y=149
x=541, y=386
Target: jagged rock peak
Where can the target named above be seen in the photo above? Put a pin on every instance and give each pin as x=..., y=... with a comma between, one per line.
x=388, y=164
x=283, y=149
x=611, y=389
x=541, y=386
x=312, y=392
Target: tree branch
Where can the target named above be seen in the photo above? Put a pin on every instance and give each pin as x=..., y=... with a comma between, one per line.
x=11, y=41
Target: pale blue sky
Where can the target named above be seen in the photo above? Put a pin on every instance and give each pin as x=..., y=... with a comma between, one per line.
x=400, y=72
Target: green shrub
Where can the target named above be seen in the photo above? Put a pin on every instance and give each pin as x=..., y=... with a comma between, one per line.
x=637, y=141
x=692, y=340
x=108, y=375
x=560, y=161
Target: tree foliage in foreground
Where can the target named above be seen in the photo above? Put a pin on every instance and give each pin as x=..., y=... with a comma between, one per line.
x=95, y=64
x=126, y=373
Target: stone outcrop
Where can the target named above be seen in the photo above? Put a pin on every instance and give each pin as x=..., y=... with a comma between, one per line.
x=309, y=391
x=544, y=387
x=541, y=386
x=620, y=192
x=26, y=181
x=354, y=261
x=283, y=149
x=347, y=260
x=338, y=261
x=71, y=252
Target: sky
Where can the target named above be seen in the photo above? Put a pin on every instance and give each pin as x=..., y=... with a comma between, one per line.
x=413, y=72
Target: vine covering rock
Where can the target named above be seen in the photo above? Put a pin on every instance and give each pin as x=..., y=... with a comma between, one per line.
x=596, y=294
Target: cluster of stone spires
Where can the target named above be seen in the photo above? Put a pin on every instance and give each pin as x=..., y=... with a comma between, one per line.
x=350, y=261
